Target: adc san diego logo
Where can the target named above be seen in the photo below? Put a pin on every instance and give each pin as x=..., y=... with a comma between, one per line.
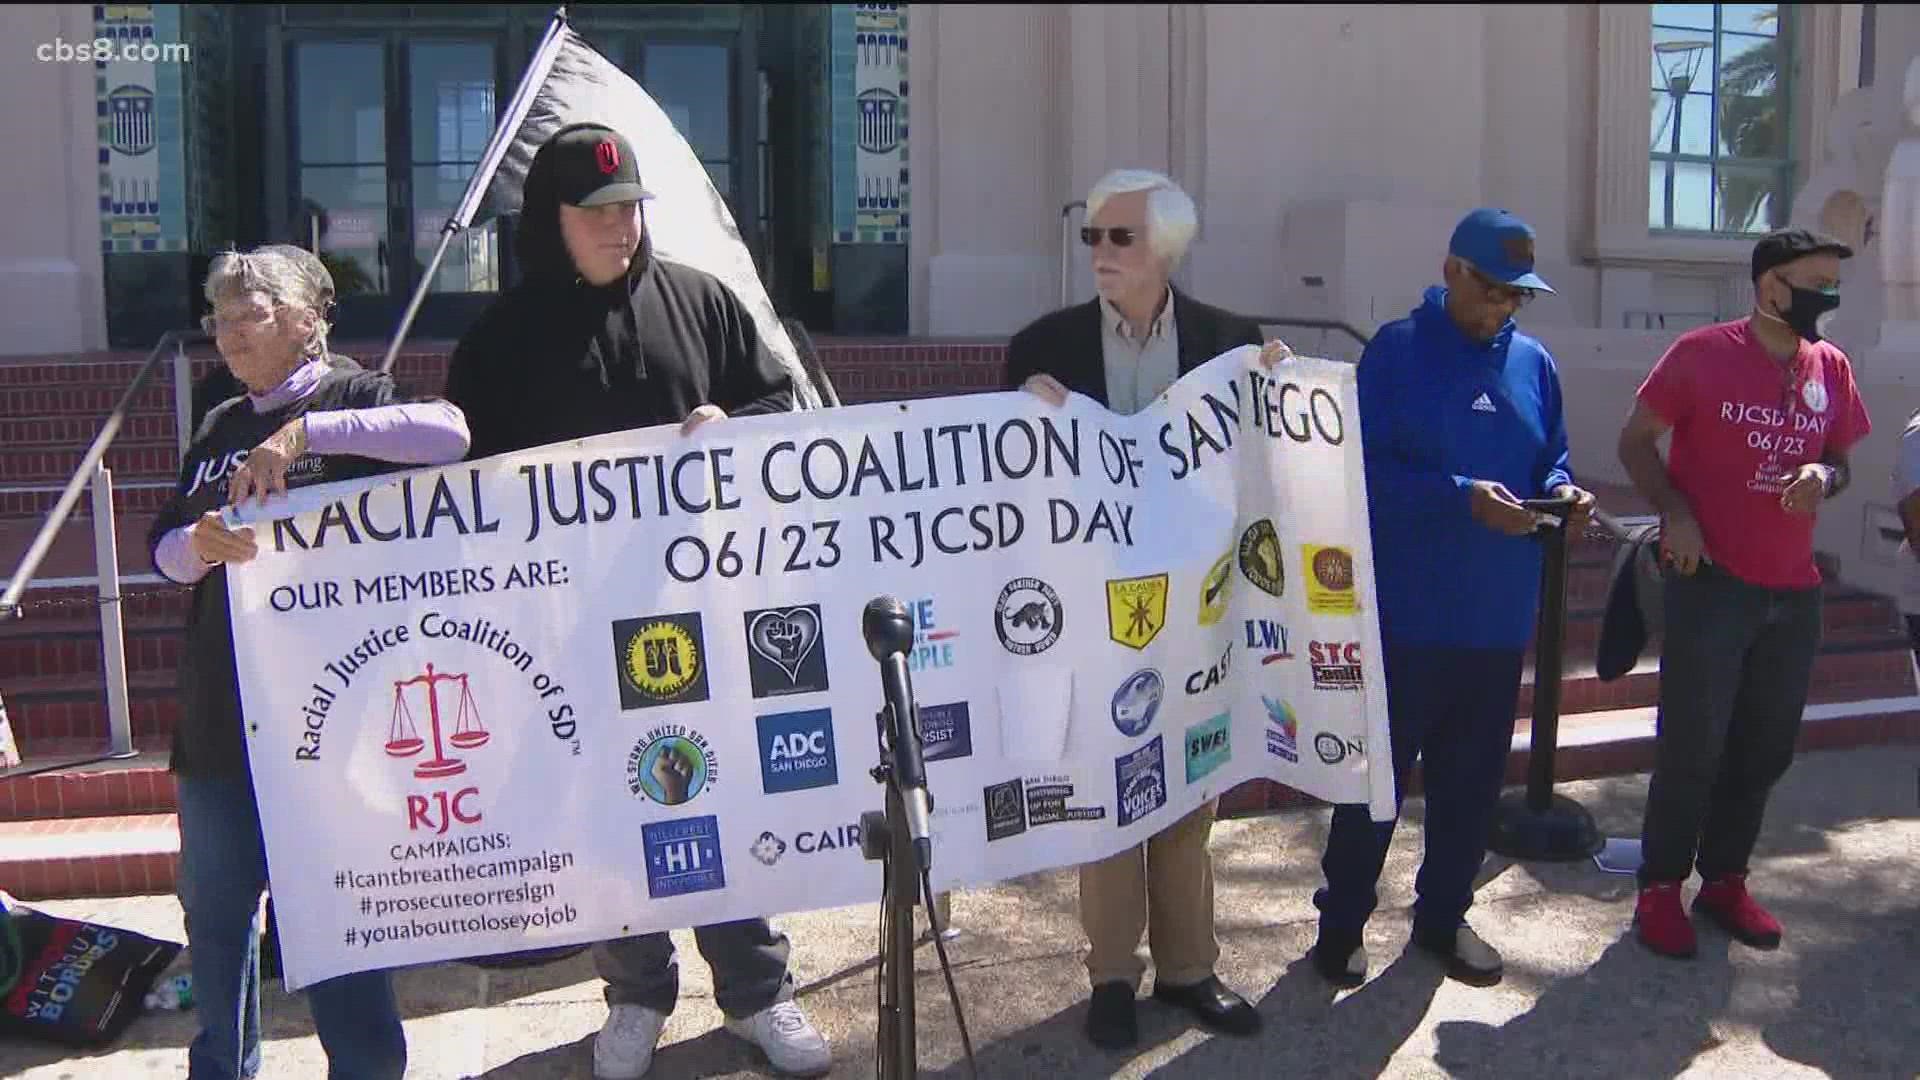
x=1028, y=616
x=661, y=660
x=1137, y=609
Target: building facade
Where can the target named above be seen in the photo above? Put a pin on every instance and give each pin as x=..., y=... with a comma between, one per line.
x=1330, y=148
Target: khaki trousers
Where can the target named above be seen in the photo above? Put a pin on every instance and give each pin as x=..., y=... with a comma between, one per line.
x=1164, y=887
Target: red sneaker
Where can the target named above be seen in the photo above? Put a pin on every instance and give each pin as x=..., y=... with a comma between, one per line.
x=1726, y=901
x=1662, y=922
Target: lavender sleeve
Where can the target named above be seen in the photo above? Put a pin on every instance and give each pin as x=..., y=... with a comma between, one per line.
x=175, y=558
x=417, y=433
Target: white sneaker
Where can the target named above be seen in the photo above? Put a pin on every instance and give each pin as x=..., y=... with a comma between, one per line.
x=791, y=1044
x=624, y=1048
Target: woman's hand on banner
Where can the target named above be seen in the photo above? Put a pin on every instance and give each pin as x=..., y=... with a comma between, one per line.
x=1273, y=352
x=702, y=415
x=1047, y=388
x=216, y=544
x=264, y=473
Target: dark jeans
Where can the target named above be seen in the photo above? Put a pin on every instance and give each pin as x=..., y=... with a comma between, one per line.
x=223, y=869
x=748, y=958
x=1734, y=673
x=1454, y=709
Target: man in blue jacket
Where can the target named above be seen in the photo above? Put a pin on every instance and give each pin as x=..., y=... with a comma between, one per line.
x=1461, y=417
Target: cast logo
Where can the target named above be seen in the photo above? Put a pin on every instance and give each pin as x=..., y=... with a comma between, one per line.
x=1006, y=810
x=683, y=856
x=1028, y=616
x=671, y=765
x=946, y=731
x=1215, y=589
x=1260, y=558
x=1202, y=681
x=1137, y=609
x=1270, y=637
x=1137, y=701
x=932, y=646
x=1209, y=746
x=796, y=751
x=784, y=652
x=1336, y=664
x=661, y=660
x=1333, y=749
x=1283, y=730
x=1140, y=782
x=1329, y=579
x=1814, y=393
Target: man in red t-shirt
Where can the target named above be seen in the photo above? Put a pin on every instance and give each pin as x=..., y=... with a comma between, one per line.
x=1763, y=413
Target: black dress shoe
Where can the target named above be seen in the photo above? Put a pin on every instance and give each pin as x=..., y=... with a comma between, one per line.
x=1111, y=1022
x=1342, y=963
x=1217, y=1007
x=1469, y=959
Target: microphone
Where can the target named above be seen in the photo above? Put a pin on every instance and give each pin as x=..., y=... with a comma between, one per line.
x=888, y=630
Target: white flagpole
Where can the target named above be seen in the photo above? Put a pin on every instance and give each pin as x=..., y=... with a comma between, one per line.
x=523, y=96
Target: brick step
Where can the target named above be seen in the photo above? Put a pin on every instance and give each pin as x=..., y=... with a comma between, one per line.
x=56, y=432
x=1837, y=676
x=77, y=653
x=127, y=458
x=123, y=855
x=91, y=403
x=137, y=785
x=43, y=711
x=72, y=554
x=147, y=498
x=60, y=608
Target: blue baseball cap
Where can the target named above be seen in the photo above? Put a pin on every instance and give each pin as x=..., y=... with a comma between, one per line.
x=1499, y=245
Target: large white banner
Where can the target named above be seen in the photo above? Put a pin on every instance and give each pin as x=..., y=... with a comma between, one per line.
x=618, y=685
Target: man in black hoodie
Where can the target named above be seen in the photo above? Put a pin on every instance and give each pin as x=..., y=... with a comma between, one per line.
x=604, y=336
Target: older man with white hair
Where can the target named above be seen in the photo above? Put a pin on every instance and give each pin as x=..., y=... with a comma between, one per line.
x=1123, y=349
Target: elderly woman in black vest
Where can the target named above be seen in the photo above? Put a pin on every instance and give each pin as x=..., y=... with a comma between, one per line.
x=304, y=416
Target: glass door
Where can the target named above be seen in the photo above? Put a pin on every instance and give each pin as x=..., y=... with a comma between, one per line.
x=387, y=130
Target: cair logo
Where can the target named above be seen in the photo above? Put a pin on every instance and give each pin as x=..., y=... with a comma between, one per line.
x=1028, y=616
x=1329, y=579
x=671, y=765
x=796, y=751
x=1336, y=664
x=932, y=645
x=946, y=731
x=1209, y=746
x=1137, y=701
x=1137, y=609
x=784, y=652
x=1265, y=635
x=683, y=856
x=769, y=848
x=1202, y=681
x=1215, y=589
x=661, y=660
x=1260, y=558
x=1283, y=730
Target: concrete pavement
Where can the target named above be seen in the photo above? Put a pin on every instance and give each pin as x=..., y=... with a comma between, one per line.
x=1839, y=863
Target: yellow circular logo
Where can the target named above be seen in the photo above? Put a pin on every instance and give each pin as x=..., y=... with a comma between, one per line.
x=662, y=659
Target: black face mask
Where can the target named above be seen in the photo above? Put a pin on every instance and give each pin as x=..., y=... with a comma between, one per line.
x=1808, y=314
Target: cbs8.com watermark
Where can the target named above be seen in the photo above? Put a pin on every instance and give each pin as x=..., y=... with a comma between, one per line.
x=106, y=50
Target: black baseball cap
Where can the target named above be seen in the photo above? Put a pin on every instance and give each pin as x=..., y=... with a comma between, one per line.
x=1782, y=246
x=592, y=165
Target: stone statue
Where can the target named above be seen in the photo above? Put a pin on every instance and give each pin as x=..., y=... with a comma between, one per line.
x=1897, y=226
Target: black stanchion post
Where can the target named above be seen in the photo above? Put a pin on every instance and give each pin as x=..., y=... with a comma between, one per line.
x=1537, y=825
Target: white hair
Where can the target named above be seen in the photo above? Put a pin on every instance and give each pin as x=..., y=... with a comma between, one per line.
x=287, y=276
x=1172, y=219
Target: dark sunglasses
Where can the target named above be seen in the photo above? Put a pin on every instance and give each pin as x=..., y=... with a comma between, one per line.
x=1497, y=292
x=1118, y=236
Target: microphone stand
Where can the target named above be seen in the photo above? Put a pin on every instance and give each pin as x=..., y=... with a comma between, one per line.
x=886, y=837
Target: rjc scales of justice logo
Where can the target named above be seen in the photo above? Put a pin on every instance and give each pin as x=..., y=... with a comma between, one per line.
x=437, y=811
